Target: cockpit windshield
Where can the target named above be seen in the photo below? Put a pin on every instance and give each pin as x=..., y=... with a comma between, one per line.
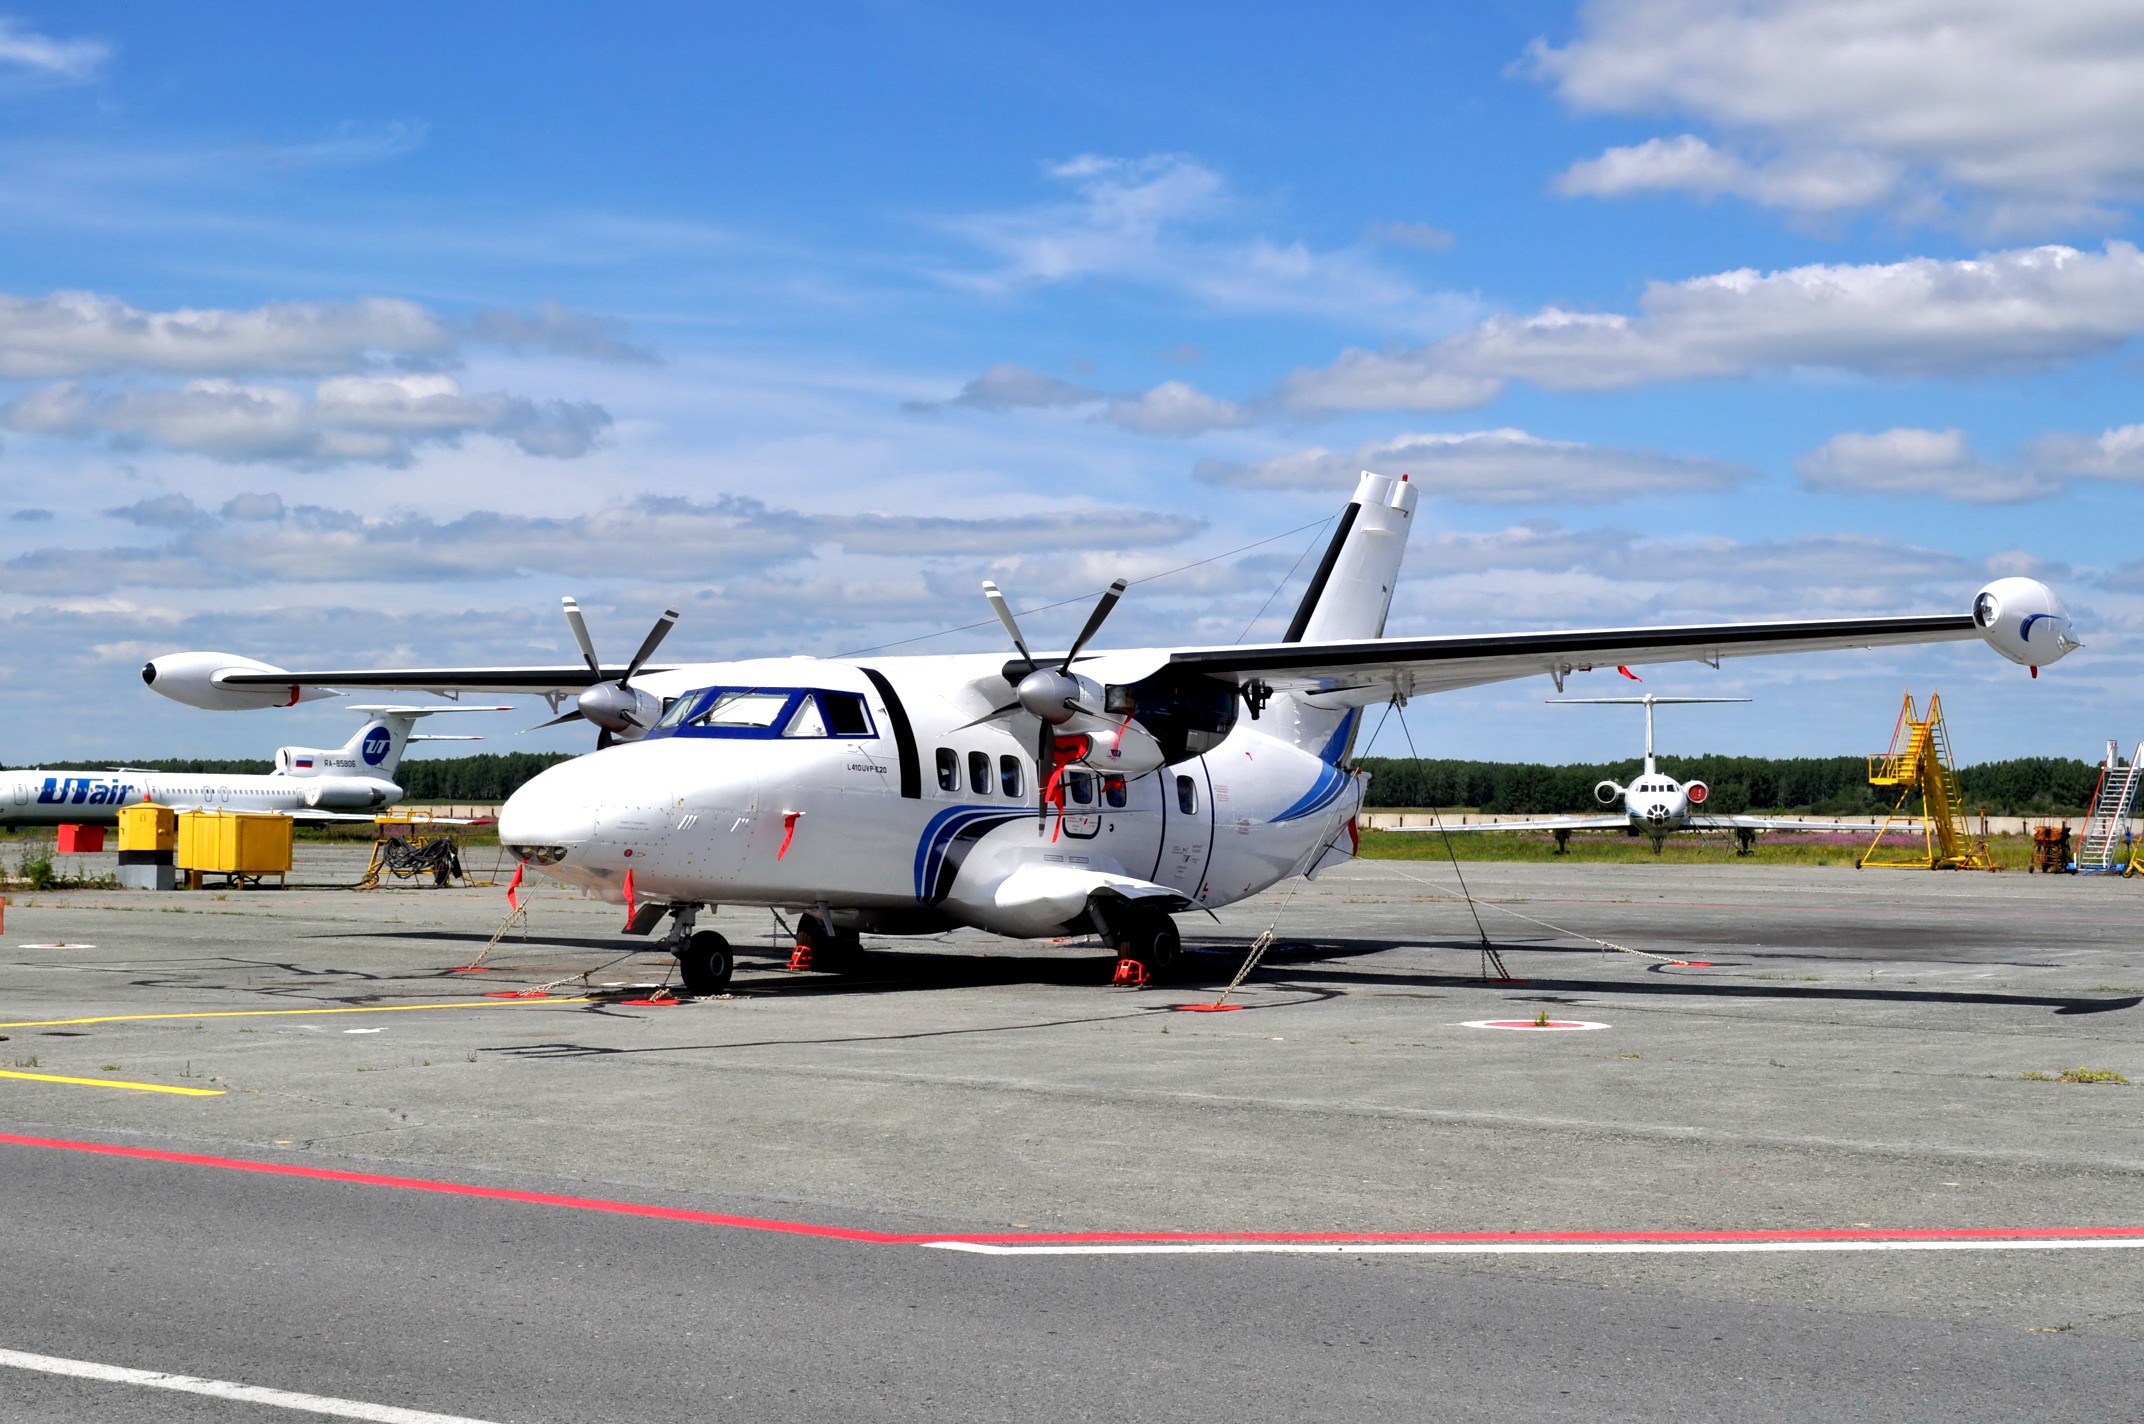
x=788, y=712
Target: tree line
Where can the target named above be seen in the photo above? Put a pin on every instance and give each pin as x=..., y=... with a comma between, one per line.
x=1834, y=786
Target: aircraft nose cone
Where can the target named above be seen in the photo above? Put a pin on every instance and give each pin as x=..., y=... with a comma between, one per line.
x=548, y=817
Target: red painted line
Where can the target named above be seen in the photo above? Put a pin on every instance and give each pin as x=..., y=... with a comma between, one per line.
x=897, y=1238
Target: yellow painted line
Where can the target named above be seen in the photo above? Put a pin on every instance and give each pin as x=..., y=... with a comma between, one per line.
x=302, y=1013
x=115, y=1083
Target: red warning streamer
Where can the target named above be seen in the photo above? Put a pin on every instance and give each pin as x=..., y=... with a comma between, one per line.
x=789, y=831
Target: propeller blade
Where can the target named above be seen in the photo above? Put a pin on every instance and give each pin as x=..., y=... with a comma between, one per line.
x=649, y=644
x=580, y=635
x=991, y=716
x=558, y=721
x=1004, y=612
x=1094, y=621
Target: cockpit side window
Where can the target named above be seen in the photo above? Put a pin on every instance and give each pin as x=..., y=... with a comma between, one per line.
x=806, y=721
x=741, y=707
x=676, y=712
x=845, y=714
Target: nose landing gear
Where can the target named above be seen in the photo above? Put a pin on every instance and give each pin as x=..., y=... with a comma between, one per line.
x=704, y=964
x=1148, y=948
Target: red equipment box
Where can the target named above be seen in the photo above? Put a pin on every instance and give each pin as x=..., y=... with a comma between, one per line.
x=81, y=840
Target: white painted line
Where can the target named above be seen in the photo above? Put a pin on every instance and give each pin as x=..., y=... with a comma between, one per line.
x=1534, y=1026
x=62, y=944
x=1513, y=1248
x=226, y=1389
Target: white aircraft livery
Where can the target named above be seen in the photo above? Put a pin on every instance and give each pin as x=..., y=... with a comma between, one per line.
x=349, y=782
x=1656, y=804
x=1048, y=794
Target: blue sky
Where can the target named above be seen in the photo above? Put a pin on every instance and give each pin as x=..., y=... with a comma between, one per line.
x=338, y=337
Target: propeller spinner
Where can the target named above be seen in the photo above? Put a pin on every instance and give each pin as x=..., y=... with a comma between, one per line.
x=1055, y=695
x=622, y=711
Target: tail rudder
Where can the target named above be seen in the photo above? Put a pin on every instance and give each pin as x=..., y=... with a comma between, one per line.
x=376, y=749
x=1349, y=598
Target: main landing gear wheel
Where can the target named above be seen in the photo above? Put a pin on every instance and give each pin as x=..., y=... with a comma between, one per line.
x=704, y=964
x=1153, y=942
x=827, y=951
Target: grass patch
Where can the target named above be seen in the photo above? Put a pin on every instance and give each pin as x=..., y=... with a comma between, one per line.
x=2075, y=1075
x=1608, y=847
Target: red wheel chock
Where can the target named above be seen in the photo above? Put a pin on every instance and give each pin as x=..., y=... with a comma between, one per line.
x=800, y=957
x=1131, y=974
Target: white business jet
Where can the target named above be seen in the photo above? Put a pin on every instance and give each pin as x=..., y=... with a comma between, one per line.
x=1656, y=804
x=347, y=783
x=1045, y=795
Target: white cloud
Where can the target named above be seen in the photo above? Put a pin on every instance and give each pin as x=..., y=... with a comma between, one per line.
x=76, y=333
x=1936, y=464
x=24, y=49
x=2116, y=454
x=1009, y=387
x=2021, y=111
x=1686, y=163
x=559, y=330
x=1159, y=221
x=259, y=538
x=1173, y=408
x=1491, y=467
x=376, y=419
x=2006, y=310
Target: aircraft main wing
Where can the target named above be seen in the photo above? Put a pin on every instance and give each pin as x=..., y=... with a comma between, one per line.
x=1546, y=823
x=1786, y=823
x=1375, y=670
x=573, y=678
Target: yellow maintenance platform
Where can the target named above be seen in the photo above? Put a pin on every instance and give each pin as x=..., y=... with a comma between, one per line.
x=1919, y=765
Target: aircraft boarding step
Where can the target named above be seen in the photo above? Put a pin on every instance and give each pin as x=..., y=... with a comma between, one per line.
x=2104, y=848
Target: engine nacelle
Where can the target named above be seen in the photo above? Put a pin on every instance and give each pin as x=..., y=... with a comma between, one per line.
x=1697, y=791
x=625, y=712
x=2023, y=620
x=351, y=793
x=1607, y=793
x=194, y=679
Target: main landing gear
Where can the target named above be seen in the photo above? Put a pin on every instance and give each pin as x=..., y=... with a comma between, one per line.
x=1148, y=948
x=830, y=951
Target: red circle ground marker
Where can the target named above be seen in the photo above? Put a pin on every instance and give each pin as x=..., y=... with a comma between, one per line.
x=1206, y=1008
x=470, y=969
x=652, y=1003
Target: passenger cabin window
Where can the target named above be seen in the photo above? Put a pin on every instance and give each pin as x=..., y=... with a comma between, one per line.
x=1009, y=776
x=979, y=773
x=1187, y=796
x=845, y=715
x=948, y=769
x=1079, y=785
x=1114, y=792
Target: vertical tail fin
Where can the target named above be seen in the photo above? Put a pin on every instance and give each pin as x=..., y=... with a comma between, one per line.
x=377, y=748
x=1348, y=598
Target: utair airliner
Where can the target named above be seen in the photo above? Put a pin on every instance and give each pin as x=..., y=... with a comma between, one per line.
x=1048, y=794
x=351, y=782
x=1656, y=804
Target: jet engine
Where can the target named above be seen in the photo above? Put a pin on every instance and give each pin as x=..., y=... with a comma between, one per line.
x=1607, y=793
x=351, y=793
x=195, y=679
x=1697, y=791
x=2023, y=620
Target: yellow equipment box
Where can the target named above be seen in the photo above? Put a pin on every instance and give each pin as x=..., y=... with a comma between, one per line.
x=147, y=827
x=234, y=843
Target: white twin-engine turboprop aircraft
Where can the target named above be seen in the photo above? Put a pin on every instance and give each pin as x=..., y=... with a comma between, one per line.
x=1046, y=795
x=1656, y=804
x=346, y=783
